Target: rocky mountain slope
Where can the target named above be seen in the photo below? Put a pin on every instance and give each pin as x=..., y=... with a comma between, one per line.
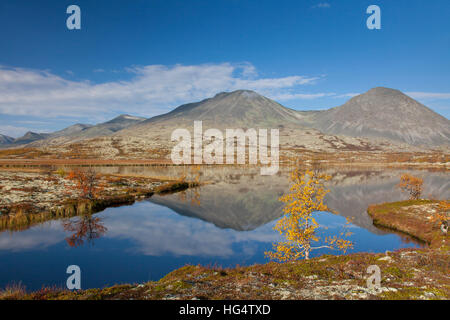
x=384, y=113
x=237, y=109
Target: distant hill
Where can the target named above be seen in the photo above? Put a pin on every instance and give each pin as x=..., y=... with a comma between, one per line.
x=106, y=128
x=29, y=137
x=5, y=139
x=384, y=113
x=74, y=132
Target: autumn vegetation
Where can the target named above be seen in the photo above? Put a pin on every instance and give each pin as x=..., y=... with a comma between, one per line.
x=86, y=181
x=298, y=224
x=411, y=185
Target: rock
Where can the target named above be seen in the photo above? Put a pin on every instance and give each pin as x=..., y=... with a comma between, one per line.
x=386, y=258
x=285, y=294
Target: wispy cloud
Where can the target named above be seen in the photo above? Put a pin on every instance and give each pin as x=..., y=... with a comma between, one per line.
x=323, y=5
x=347, y=95
x=302, y=96
x=429, y=95
x=151, y=90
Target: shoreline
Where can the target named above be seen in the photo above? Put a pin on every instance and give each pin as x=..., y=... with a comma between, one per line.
x=19, y=214
x=410, y=217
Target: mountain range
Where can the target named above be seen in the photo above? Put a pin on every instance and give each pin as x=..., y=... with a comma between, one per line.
x=380, y=115
x=75, y=132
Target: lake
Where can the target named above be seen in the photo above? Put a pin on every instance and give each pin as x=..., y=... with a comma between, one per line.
x=227, y=222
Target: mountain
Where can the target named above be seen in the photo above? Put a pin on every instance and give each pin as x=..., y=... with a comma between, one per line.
x=237, y=109
x=30, y=137
x=107, y=128
x=384, y=113
x=78, y=132
x=380, y=113
x=4, y=140
x=381, y=119
x=73, y=129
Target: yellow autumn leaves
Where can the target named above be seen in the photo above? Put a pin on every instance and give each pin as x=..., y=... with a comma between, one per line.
x=298, y=224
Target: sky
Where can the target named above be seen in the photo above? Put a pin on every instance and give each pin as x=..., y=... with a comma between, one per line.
x=146, y=57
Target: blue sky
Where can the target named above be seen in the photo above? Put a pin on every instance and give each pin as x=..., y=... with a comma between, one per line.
x=145, y=57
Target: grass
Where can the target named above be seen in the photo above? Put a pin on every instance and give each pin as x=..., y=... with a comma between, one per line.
x=412, y=217
x=13, y=291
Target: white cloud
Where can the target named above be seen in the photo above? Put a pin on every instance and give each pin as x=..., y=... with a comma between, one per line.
x=152, y=89
x=303, y=96
x=13, y=131
x=323, y=5
x=428, y=95
x=347, y=95
x=187, y=235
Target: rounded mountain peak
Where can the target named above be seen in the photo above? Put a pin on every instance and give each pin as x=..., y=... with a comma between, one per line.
x=238, y=93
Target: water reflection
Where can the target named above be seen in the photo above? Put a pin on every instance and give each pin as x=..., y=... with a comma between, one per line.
x=226, y=222
x=85, y=228
x=244, y=200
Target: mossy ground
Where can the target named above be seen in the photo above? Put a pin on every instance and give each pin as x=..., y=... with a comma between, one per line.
x=412, y=217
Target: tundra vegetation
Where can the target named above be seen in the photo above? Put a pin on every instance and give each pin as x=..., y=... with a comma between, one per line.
x=86, y=181
x=411, y=185
x=62, y=195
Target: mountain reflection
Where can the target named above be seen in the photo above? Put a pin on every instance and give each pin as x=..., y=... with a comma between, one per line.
x=232, y=216
x=244, y=201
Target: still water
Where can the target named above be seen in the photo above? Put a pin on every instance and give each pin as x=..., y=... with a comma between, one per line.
x=225, y=223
